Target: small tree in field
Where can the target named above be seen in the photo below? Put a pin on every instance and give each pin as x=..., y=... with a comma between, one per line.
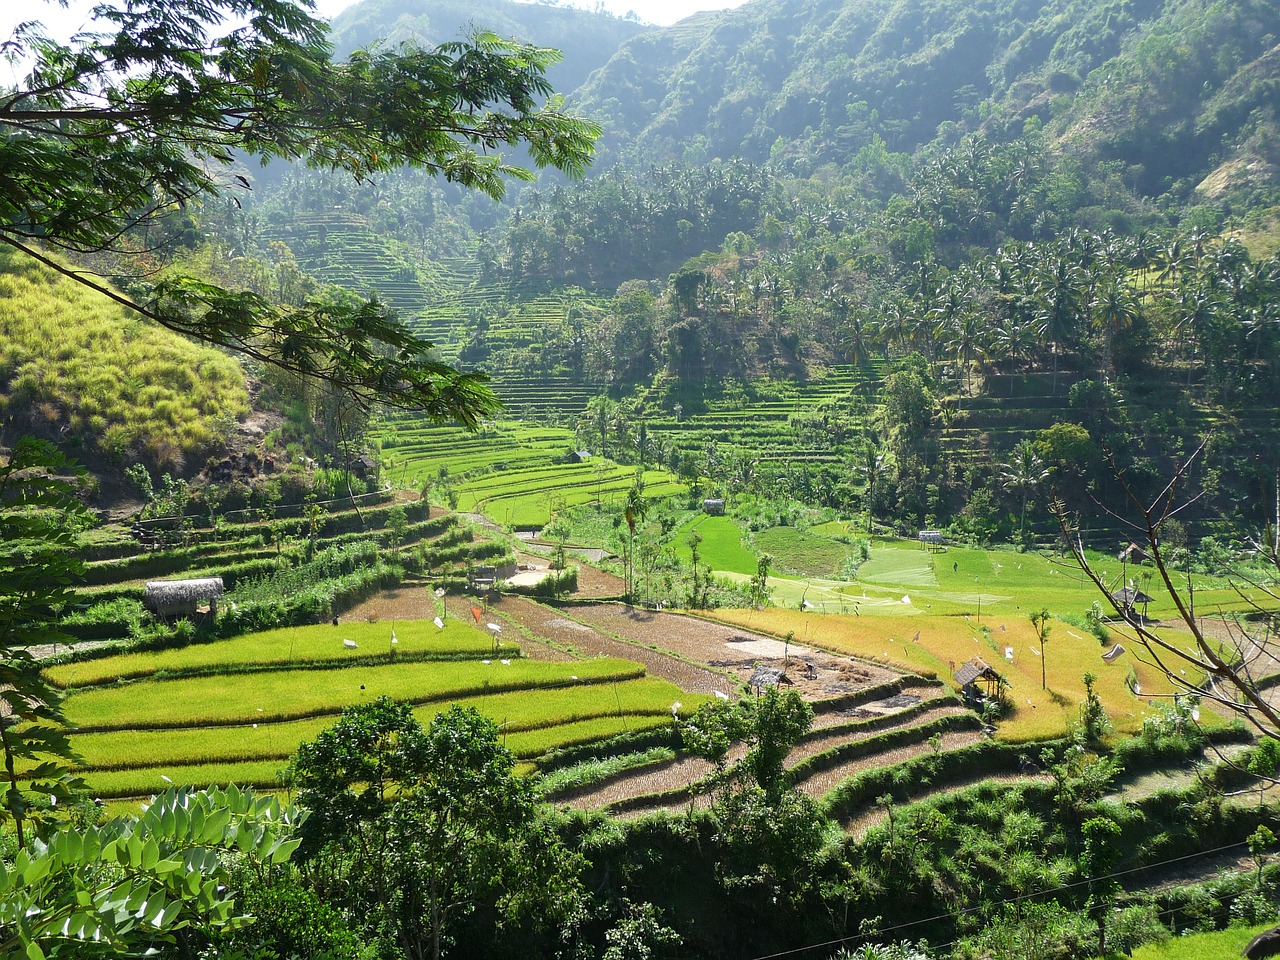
x=1040, y=620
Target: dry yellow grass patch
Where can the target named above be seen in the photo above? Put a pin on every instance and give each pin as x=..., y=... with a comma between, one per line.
x=936, y=645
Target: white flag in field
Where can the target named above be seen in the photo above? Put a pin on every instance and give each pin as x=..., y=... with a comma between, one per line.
x=439, y=623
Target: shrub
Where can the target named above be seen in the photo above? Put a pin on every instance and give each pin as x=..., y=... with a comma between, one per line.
x=552, y=585
x=105, y=620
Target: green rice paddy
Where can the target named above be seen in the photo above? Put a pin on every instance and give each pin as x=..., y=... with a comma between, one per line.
x=721, y=547
x=292, y=646
x=142, y=729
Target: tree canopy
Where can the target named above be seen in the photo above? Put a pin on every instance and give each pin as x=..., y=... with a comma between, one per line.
x=120, y=126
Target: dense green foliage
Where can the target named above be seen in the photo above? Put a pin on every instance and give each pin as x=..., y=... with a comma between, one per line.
x=110, y=131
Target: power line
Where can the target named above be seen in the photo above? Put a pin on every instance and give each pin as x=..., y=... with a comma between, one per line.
x=1018, y=899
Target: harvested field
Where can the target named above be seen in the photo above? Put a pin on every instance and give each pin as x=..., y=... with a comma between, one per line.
x=820, y=743
x=594, y=582
x=823, y=781
x=586, y=641
x=815, y=674
x=685, y=771
x=669, y=776
x=412, y=600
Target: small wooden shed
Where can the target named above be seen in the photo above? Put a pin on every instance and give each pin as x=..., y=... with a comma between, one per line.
x=1133, y=554
x=978, y=671
x=932, y=540
x=171, y=599
x=713, y=506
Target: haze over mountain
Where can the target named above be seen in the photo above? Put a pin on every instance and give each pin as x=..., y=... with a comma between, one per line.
x=1173, y=90
x=587, y=39
x=1181, y=93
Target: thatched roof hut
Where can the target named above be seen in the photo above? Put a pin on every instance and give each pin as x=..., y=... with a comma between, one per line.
x=1129, y=598
x=978, y=670
x=182, y=598
x=932, y=540
x=762, y=677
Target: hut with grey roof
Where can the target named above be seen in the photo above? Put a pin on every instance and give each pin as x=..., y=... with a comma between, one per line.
x=175, y=599
x=932, y=540
x=978, y=671
x=1128, y=599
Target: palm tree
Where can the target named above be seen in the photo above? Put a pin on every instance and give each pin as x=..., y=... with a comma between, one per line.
x=1060, y=286
x=600, y=412
x=870, y=463
x=1016, y=335
x=1023, y=473
x=643, y=443
x=634, y=512
x=1115, y=310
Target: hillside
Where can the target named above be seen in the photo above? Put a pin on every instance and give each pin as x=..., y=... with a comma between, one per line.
x=110, y=387
x=1171, y=90
x=586, y=38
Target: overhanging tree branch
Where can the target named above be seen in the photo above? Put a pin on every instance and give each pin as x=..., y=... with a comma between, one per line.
x=114, y=130
x=1220, y=671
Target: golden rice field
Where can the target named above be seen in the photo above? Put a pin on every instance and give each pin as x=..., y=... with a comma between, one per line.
x=932, y=644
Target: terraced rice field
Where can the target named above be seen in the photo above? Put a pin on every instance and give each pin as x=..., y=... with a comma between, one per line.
x=242, y=722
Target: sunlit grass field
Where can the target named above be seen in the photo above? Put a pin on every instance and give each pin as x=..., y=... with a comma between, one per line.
x=296, y=694
x=903, y=579
x=530, y=500
x=933, y=644
x=1219, y=945
x=721, y=544
x=523, y=712
x=291, y=646
x=88, y=367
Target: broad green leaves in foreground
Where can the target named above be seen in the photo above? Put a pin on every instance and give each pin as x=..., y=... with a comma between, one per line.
x=119, y=888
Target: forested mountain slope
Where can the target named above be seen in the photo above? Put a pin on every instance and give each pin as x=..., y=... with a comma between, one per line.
x=586, y=39
x=1170, y=89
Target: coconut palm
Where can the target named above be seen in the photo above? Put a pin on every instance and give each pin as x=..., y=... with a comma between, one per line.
x=1115, y=310
x=1022, y=474
x=870, y=463
x=1060, y=285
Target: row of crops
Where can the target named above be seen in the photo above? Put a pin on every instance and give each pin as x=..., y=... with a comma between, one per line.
x=236, y=710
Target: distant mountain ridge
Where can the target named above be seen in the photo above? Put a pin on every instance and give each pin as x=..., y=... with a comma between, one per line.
x=587, y=39
x=1184, y=93
x=1179, y=88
